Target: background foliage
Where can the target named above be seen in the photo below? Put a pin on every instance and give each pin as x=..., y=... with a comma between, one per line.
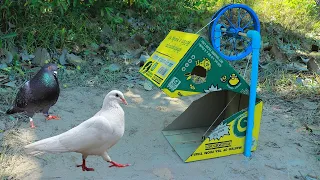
x=58, y=23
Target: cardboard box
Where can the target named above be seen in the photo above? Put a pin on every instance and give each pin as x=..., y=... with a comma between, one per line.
x=185, y=64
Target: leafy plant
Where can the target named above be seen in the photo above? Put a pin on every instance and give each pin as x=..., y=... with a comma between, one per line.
x=6, y=36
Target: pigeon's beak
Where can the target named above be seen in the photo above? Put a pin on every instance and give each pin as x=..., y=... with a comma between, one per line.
x=124, y=101
x=55, y=73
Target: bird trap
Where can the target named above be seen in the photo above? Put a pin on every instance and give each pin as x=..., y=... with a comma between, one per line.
x=185, y=64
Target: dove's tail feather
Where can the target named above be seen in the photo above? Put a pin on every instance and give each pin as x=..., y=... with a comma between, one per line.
x=48, y=145
x=36, y=153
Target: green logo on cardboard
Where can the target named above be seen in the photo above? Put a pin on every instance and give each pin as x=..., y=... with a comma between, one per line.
x=240, y=125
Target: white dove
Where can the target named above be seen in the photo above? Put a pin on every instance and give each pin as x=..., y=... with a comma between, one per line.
x=92, y=137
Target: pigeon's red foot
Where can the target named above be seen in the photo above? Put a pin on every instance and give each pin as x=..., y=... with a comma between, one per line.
x=50, y=117
x=114, y=164
x=84, y=167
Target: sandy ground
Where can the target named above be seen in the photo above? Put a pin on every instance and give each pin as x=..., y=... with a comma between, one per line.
x=283, y=152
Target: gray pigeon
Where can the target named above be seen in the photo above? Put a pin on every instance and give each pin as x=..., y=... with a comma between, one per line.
x=38, y=94
x=92, y=137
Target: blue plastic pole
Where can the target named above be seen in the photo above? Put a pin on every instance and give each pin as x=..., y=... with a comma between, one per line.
x=256, y=39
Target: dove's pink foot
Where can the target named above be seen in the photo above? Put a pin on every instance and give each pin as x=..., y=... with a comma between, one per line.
x=32, y=125
x=84, y=167
x=50, y=117
x=114, y=164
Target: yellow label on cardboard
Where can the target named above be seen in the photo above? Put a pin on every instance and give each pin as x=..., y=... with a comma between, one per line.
x=176, y=44
x=228, y=139
x=157, y=68
x=166, y=57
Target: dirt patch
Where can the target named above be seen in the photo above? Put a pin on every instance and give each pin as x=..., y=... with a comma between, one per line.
x=284, y=150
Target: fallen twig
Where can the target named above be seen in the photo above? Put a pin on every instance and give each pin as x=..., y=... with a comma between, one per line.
x=275, y=168
x=301, y=175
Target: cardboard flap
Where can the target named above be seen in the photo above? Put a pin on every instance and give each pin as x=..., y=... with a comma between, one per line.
x=202, y=112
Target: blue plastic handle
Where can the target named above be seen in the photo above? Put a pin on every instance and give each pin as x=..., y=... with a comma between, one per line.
x=256, y=39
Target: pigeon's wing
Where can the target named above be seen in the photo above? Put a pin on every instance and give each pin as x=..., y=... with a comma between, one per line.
x=30, y=96
x=90, y=134
x=23, y=96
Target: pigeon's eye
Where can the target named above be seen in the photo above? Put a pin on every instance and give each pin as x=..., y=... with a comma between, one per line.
x=117, y=95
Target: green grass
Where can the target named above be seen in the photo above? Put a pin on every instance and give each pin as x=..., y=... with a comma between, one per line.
x=49, y=27
x=295, y=15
